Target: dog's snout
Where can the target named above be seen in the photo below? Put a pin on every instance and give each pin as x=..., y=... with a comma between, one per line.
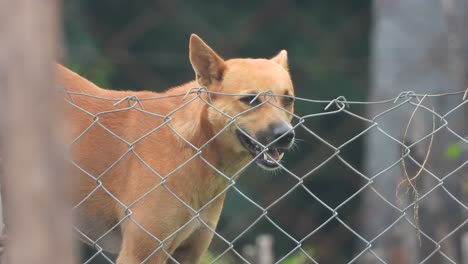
x=283, y=134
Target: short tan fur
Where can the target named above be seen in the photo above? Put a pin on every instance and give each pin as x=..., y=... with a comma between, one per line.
x=154, y=213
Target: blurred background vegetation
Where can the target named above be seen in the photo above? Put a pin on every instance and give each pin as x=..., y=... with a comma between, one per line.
x=143, y=45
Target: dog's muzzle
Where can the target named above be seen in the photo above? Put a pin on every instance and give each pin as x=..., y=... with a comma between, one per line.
x=268, y=145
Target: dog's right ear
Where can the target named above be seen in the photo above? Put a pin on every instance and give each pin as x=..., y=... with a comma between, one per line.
x=208, y=66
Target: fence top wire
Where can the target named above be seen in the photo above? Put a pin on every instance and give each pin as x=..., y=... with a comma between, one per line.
x=204, y=90
x=341, y=104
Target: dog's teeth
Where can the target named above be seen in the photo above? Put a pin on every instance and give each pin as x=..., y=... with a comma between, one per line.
x=281, y=156
x=265, y=157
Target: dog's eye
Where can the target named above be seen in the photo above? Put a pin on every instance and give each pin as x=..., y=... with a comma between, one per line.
x=250, y=100
x=288, y=101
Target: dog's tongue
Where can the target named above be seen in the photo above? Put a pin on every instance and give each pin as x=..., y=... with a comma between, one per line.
x=274, y=154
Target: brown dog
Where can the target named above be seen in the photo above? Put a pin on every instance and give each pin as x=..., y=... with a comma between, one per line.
x=151, y=181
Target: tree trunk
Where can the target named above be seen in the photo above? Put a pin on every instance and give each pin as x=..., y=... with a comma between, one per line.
x=419, y=46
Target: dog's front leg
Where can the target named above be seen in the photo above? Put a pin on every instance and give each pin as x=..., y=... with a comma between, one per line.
x=194, y=247
x=139, y=247
x=144, y=232
x=191, y=250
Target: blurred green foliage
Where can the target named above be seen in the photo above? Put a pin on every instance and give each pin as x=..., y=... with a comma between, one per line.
x=454, y=151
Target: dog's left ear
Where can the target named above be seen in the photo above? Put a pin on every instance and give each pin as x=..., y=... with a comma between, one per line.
x=208, y=66
x=282, y=59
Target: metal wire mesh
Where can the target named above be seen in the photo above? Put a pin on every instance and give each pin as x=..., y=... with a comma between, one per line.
x=339, y=106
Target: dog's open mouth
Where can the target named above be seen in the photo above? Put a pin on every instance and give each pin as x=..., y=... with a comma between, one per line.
x=269, y=159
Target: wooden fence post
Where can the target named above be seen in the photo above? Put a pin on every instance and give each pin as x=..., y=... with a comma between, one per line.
x=34, y=182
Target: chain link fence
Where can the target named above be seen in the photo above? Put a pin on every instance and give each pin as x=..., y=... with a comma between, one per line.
x=411, y=171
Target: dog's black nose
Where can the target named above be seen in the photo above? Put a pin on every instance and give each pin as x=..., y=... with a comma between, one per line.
x=283, y=134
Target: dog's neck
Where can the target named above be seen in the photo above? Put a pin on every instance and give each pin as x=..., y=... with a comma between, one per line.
x=192, y=122
x=188, y=113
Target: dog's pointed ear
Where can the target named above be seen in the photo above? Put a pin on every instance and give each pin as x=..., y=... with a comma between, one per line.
x=208, y=66
x=282, y=59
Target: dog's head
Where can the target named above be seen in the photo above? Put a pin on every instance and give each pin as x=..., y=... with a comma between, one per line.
x=260, y=118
